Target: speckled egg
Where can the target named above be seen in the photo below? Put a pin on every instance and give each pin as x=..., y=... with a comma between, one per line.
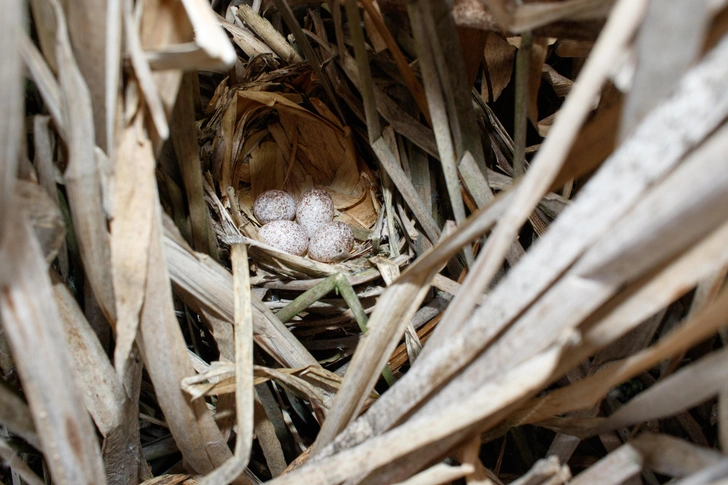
x=286, y=236
x=332, y=242
x=315, y=208
x=274, y=205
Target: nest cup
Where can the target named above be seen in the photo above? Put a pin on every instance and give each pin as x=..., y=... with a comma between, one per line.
x=274, y=141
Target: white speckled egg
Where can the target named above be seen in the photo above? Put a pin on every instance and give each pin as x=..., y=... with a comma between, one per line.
x=332, y=242
x=314, y=210
x=274, y=205
x=286, y=236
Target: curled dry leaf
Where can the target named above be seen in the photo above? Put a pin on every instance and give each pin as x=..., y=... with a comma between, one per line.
x=309, y=150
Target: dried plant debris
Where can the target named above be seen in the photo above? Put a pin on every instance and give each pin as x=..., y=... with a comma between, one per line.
x=363, y=242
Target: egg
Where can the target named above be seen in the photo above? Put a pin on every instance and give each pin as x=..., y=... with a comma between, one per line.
x=315, y=208
x=274, y=205
x=287, y=236
x=331, y=243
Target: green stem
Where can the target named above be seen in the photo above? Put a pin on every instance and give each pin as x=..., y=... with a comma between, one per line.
x=349, y=296
x=307, y=299
x=341, y=283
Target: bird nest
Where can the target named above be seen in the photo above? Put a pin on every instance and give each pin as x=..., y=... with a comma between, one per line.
x=274, y=132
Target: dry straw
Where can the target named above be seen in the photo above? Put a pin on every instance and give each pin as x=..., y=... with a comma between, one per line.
x=537, y=288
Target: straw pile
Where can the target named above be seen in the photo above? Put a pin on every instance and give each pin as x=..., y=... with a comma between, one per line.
x=536, y=294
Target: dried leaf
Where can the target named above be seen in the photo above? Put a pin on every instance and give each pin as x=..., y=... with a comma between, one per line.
x=678, y=28
x=89, y=33
x=163, y=348
x=135, y=196
x=114, y=413
x=499, y=57
x=82, y=176
x=32, y=324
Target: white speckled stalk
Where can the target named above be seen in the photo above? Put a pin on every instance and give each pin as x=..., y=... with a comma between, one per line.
x=331, y=243
x=314, y=210
x=286, y=236
x=274, y=205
